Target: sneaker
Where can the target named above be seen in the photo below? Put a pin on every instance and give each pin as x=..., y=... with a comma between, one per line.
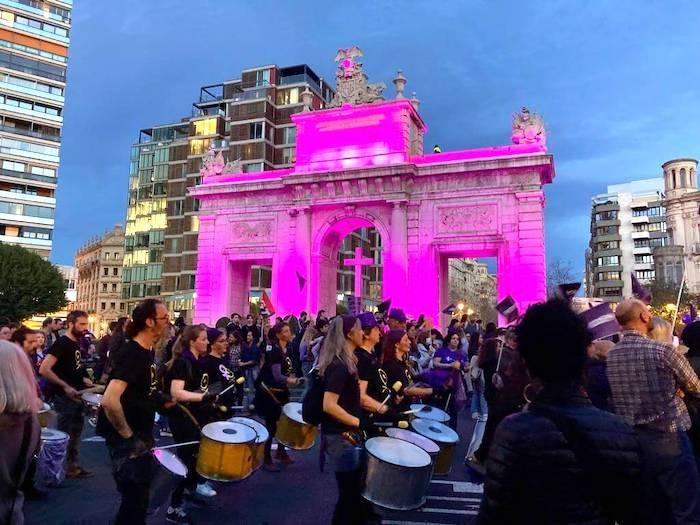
x=177, y=515
x=206, y=490
x=165, y=432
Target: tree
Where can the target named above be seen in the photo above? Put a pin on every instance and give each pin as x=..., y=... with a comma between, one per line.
x=558, y=272
x=29, y=285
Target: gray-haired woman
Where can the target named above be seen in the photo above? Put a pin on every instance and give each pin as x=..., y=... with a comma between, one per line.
x=19, y=428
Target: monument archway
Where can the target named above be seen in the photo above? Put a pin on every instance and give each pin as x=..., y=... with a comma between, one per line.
x=359, y=165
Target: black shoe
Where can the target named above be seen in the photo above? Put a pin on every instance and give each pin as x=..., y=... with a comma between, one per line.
x=177, y=515
x=34, y=494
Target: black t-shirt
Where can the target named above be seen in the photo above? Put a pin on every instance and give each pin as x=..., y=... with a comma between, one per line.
x=190, y=370
x=133, y=364
x=397, y=371
x=220, y=376
x=256, y=332
x=68, y=366
x=275, y=356
x=338, y=380
x=368, y=370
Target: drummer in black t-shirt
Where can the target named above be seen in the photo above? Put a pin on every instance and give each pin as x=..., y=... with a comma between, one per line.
x=125, y=418
x=272, y=389
x=189, y=384
x=395, y=350
x=373, y=381
x=220, y=375
x=63, y=368
x=341, y=418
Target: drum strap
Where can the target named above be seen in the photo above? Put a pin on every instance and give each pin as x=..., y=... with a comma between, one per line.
x=19, y=466
x=189, y=415
x=269, y=393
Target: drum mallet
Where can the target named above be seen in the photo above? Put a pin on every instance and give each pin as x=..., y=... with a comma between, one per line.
x=399, y=424
x=237, y=382
x=395, y=387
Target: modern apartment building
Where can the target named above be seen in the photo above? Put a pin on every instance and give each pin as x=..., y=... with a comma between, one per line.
x=627, y=224
x=99, y=264
x=471, y=284
x=246, y=119
x=34, y=40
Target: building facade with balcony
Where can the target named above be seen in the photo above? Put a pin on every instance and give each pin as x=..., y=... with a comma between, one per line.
x=627, y=225
x=682, y=204
x=99, y=279
x=248, y=120
x=34, y=40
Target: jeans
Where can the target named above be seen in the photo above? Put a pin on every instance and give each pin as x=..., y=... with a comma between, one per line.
x=348, y=463
x=670, y=477
x=251, y=374
x=133, y=478
x=71, y=421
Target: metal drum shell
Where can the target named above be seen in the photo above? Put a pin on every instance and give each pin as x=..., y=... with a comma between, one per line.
x=444, y=436
x=262, y=437
x=293, y=433
x=394, y=486
x=223, y=461
x=427, y=444
x=44, y=415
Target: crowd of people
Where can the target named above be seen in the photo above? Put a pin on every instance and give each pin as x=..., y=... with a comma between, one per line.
x=567, y=429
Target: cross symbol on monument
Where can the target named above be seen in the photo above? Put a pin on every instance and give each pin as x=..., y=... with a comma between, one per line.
x=358, y=262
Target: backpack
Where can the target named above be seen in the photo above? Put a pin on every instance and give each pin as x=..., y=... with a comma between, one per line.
x=312, y=401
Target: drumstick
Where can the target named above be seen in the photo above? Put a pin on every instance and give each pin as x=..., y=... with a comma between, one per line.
x=400, y=424
x=395, y=387
x=409, y=412
x=176, y=445
x=448, y=400
x=237, y=382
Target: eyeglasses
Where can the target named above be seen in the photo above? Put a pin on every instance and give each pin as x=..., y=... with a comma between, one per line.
x=163, y=318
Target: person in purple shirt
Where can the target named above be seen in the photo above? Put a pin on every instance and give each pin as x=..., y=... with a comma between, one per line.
x=448, y=364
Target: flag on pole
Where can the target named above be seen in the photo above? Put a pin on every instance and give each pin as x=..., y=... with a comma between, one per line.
x=268, y=303
x=508, y=309
x=568, y=291
x=639, y=291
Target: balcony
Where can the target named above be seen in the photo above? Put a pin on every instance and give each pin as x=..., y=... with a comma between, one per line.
x=696, y=248
x=27, y=176
x=26, y=241
x=30, y=133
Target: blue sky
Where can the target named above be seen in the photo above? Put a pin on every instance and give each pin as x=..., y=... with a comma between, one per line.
x=616, y=81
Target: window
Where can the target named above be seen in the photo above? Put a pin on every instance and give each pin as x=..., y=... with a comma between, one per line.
x=608, y=276
x=114, y=287
x=656, y=211
x=608, y=245
x=289, y=135
x=199, y=146
x=644, y=259
x=106, y=256
x=606, y=215
x=641, y=243
x=14, y=166
x=657, y=227
x=641, y=227
x=288, y=155
x=34, y=67
x=121, y=306
x=105, y=271
x=262, y=77
x=103, y=306
x=610, y=292
x=646, y=275
x=17, y=146
x=113, y=306
x=288, y=96
x=32, y=50
x=656, y=243
x=205, y=126
x=46, y=172
x=25, y=209
x=253, y=167
x=178, y=207
x=610, y=260
x=104, y=287
x=36, y=24
x=256, y=130
x=606, y=230
x=115, y=272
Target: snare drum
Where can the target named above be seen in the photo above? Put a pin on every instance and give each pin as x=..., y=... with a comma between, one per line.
x=44, y=415
x=226, y=451
x=398, y=473
x=51, y=470
x=262, y=437
x=430, y=412
x=444, y=436
x=169, y=472
x=423, y=442
x=292, y=431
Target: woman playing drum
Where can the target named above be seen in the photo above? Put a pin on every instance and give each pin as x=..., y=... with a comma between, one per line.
x=272, y=390
x=188, y=383
x=394, y=363
x=341, y=417
x=220, y=375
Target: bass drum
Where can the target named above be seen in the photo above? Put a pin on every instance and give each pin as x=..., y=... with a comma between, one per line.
x=293, y=431
x=398, y=473
x=226, y=451
x=444, y=436
x=262, y=437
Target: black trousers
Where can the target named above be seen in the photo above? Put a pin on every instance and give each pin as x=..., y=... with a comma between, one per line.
x=133, y=478
x=184, y=430
x=351, y=507
x=271, y=426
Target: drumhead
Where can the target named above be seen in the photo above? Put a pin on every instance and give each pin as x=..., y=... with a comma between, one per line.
x=397, y=452
x=92, y=399
x=170, y=462
x=293, y=411
x=259, y=428
x=229, y=432
x=430, y=412
x=45, y=408
x=435, y=430
x=423, y=442
x=51, y=434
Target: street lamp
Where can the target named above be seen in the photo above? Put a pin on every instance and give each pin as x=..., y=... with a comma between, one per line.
x=460, y=306
x=470, y=311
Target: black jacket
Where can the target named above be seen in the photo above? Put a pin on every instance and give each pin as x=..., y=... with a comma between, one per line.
x=534, y=476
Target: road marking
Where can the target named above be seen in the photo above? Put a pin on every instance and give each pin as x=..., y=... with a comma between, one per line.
x=462, y=486
x=453, y=498
x=450, y=511
x=94, y=438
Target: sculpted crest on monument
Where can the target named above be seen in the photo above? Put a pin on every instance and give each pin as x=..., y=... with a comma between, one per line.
x=474, y=219
x=252, y=232
x=528, y=128
x=352, y=86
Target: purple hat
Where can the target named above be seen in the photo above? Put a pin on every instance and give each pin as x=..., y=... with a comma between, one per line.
x=601, y=321
x=213, y=334
x=367, y=320
x=349, y=322
x=397, y=314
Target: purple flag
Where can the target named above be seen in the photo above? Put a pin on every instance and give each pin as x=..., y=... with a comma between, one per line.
x=639, y=291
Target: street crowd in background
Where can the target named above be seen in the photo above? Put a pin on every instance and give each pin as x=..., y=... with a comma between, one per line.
x=567, y=427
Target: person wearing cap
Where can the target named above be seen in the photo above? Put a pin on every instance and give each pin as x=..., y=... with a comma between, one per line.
x=373, y=383
x=342, y=411
x=397, y=319
x=220, y=375
x=396, y=346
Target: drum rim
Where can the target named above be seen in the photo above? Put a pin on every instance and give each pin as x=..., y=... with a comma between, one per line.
x=45, y=407
x=90, y=397
x=299, y=421
x=215, y=424
x=444, y=416
x=422, y=451
x=260, y=438
x=403, y=431
x=53, y=431
x=172, y=455
x=453, y=436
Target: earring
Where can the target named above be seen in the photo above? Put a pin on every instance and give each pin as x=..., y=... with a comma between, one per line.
x=525, y=391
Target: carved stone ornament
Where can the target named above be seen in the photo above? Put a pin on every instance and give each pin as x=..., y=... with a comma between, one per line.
x=528, y=128
x=212, y=162
x=351, y=81
x=233, y=166
x=470, y=219
x=252, y=232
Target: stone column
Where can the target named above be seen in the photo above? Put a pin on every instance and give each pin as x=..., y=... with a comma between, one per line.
x=527, y=279
x=204, y=284
x=290, y=261
x=395, y=278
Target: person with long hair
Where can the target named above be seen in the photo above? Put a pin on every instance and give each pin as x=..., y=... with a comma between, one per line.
x=341, y=417
x=221, y=376
x=189, y=387
x=272, y=390
x=19, y=429
x=395, y=350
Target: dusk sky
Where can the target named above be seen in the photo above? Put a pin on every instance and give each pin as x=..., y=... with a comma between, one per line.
x=616, y=82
